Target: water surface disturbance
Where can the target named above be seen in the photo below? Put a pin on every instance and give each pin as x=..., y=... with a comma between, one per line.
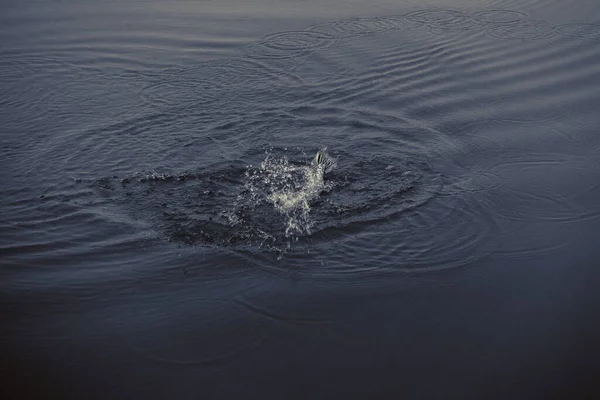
x=281, y=199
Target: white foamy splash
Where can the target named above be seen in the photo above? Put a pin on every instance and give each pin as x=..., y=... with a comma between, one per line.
x=290, y=188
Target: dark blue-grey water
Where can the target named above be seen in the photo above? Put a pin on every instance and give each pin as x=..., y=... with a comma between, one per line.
x=164, y=232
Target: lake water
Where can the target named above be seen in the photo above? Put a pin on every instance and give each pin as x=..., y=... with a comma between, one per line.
x=165, y=232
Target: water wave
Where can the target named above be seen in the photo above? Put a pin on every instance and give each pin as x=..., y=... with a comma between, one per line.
x=193, y=165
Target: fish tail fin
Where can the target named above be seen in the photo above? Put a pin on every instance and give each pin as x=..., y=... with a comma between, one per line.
x=324, y=160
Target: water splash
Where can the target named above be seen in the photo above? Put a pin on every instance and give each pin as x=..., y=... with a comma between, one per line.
x=290, y=188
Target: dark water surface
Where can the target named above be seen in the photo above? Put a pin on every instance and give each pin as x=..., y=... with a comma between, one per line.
x=164, y=234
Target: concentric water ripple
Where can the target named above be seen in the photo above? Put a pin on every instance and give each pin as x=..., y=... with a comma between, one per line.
x=500, y=16
x=219, y=208
x=269, y=93
x=361, y=26
x=214, y=207
x=213, y=82
x=535, y=241
x=541, y=109
x=178, y=89
x=450, y=233
x=400, y=23
x=577, y=35
x=540, y=202
x=580, y=31
x=523, y=30
x=441, y=21
x=289, y=44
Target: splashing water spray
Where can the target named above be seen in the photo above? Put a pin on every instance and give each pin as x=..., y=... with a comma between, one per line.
x=291, y=189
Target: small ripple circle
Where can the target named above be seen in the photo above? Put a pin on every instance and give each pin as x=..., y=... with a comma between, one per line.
x=500, y=16
x=290, y=44
x=523, y=30
x=357, y=26
x=447, y=20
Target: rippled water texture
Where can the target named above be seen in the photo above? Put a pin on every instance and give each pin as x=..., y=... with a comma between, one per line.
x=167, y=230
